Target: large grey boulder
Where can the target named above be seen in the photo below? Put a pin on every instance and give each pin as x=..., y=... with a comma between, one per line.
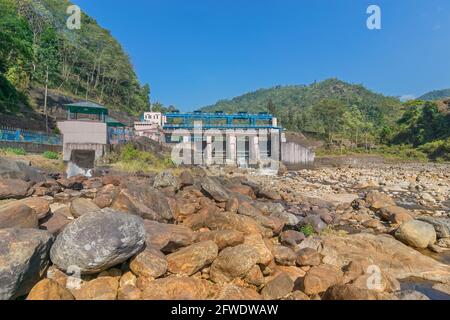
x=417, y=234
x=23, y=260
x=97, y=241
x=214, y=189
x=11, y=169
x=441, y=225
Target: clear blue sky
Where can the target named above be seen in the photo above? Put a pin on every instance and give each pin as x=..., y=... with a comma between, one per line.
x=195, y=52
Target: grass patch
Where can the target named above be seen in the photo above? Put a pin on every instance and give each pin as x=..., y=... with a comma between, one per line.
x=307, y=230
x=50, y=155
x=13, y=151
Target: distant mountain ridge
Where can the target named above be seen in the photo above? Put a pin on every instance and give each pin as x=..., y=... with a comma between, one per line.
x=436, y=95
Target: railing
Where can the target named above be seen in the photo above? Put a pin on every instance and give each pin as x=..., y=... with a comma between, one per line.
x=19, y=135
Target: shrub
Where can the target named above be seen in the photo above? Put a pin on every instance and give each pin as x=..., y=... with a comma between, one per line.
x=51, y=155
x=15, y=151
x=307, y=230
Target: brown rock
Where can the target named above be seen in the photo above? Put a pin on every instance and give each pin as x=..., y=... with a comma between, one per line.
x=243, y=190
x=111, y=180
x=256, y=241
x=246, y=209
x=233, y=262
x=17, y=215
x=308, y=257
x=395, y=214
x=319, y=279
x=284, y=256
x=103, y=288
x=106, y=196
x=81, y=206
x=223, y=239
x=230, y=221
x=168, y=237
x=129, y=292
x=297, y=295
x=48, y=289
x=54, y=223
x=150, y=263
x=291, y=238
x=269, y=194
x=234, y=293
x=379, y=283
x=189, y=260
x=255, y=276
x=186, y=179
x=174, y=288
x=232, y=205
x=13, y=188
x=278, y=287
x=40, y=205
x=351, y=292
x=378, y=200
x=128, y=278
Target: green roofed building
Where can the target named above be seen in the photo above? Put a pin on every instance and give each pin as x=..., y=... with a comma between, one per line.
x=86, y=108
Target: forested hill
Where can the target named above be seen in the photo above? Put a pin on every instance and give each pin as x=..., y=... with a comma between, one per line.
x=436, y=95
x=85, y=63
x=298, y=106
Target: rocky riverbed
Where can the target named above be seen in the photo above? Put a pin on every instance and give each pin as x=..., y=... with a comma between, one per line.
x=379, y=232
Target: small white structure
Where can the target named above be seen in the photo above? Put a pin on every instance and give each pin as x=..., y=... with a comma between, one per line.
x=150, y=125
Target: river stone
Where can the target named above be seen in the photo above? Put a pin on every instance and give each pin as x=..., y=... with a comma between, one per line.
x=13, y=188
x=417, y=234
x=168, y=237
x=223, y=239
x=17, y=215
x=97, y=241
x=81, y=206
x=189, y=260
x=214, y=189
x=23, y=260
x=39, y=204
x=49, y=289
x=166, y=179
x=278, y=287
x=177, y=288
x=441, y=225
x=150, y=263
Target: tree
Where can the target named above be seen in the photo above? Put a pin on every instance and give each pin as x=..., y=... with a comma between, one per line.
x=271, y=107
x=330, y=114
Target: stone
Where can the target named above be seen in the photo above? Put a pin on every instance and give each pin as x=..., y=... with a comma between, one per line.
x=308, y=257
x=177, y=288
x=395, y=214
x=111, y=180
x=98, y=241
x=391, y=256
x=269, y=194
x=189, y=260
x=246, y=209
x=232, y=205
x=145, y=201
x=243, y=190
x=318, y=279
x=81, y=206
x=417, y=234
x=105, y=197
x=150, y=263
x=441, y=225
x=279, y=287
x=233, y=262
x=102, y=288
x=166, y=179
x=23, y=260
x=129, y=292
x=232, y=292
x=168, y=237
x=13, y=189
x=288, y=219
x=445, y=288
x=214, y=189
x=255, y=276
x=411, y=295
x=128, y=278
x=256, y=241
x=17, y=215
x=284, y=256
x=351, y=292
x=12, y=169
x=230, y=221
x=54, y=223
x=38, y=204
x=315, y=221
x=297, y=295
x=383, y=283
x=223, y=238
x=291, y=238
x=48, y=289
x=378, y=200
x=186, y=179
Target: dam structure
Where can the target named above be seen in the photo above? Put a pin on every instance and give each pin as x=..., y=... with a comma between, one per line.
x=218, y=138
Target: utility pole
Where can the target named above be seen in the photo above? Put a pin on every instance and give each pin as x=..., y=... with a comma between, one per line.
x=45, y=101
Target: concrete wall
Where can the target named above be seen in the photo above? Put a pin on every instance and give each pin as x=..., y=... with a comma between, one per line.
x=292, y=153
x=83, y=132
x=30, y=147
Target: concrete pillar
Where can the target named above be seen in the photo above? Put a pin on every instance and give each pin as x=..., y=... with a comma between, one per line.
x=275, y=141
x=208, y=151
x=255, y=153
x=231, y=149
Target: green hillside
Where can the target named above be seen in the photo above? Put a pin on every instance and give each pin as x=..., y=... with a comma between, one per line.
x=86, y=63
x=436, y=95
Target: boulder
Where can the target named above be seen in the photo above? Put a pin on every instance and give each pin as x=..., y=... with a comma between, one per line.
x=23, y=260
x=232, y=205
x=308, y=257
x=318, y=279
x=391, y=256
x=129, y=292
x=284, y=256
x=17, y=215
x=105, y=197
x=189, y=260
x=279, y=287
x=38, y=204
x=416, y=234
x=440, y=224
x=49, y=289
x=351, y=292
x=377, y=200
x=256, y=241
x=231, y=221
x=411, y=295
x=168, y=237
x=81, y=206
x=102, y=288
x=233, y=262
x=54, y=223
x=291, y=238
x=186, y=179
x=145, y=201
x=315, y=221
x=232, y=292
x=166, y=179
x=269, y=194
x=214, y=189
x=11, y=169
x=177, y=288
x=150, y=263
x=223, y=239
x=97, y=241
x=13, y=189
x=255, y=276
x=246, y=209
x=395, y=214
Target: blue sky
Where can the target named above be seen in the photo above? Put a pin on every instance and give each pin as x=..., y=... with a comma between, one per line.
x=195, y=52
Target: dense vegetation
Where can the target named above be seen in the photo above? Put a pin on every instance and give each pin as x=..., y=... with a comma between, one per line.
x=87, y=63
x=436, y=95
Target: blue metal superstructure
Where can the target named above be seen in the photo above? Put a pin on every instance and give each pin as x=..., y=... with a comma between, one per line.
x=219, y=120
